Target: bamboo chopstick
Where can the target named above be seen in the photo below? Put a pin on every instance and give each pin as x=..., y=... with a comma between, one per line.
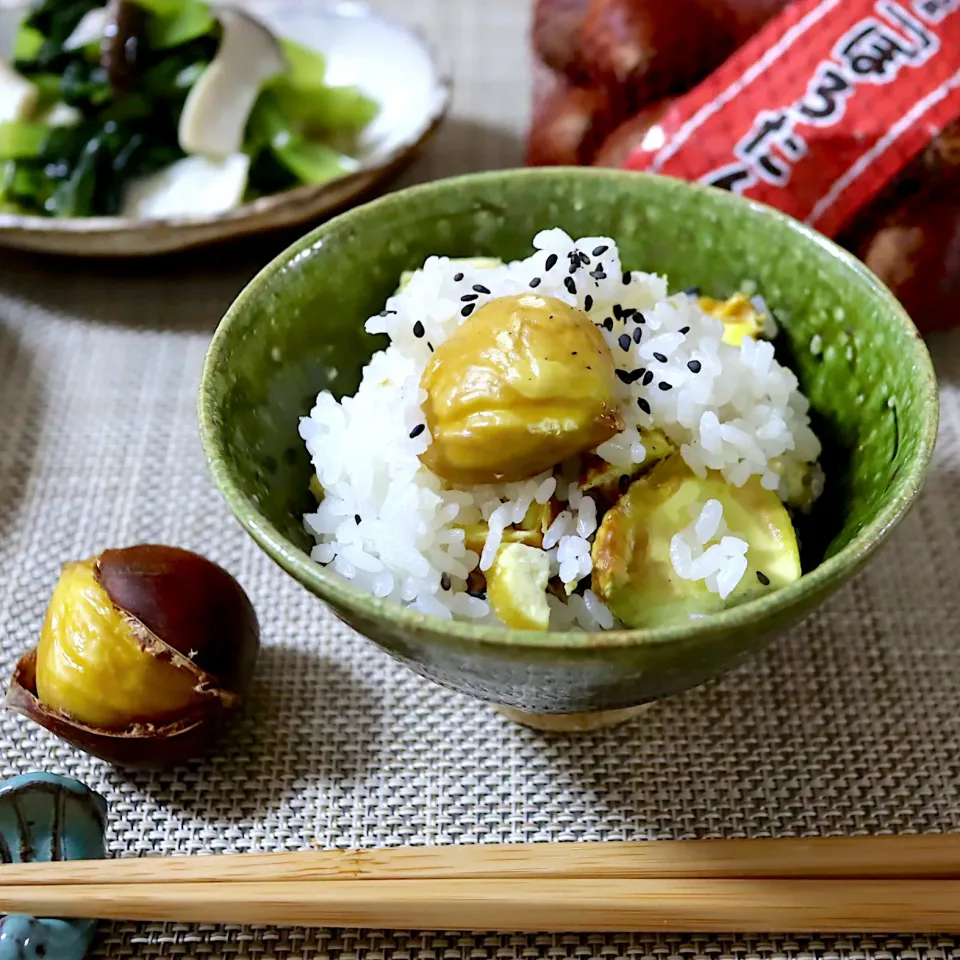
x=591, y=905
x=890, y=857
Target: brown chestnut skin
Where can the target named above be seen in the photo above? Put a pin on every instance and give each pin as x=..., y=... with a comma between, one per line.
x=185, y=612
x=916, y=253
x=909, y=235
x=556, y=35
x=650, y=48
x=617, y=148
x=190, y=603
x=569, y=126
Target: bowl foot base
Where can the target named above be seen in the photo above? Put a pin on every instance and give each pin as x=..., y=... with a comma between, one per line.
x=572, y=722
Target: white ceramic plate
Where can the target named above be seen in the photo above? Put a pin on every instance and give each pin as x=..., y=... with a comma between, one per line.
x=389, y=62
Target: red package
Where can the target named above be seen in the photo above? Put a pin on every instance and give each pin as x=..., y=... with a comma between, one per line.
x=820, y=110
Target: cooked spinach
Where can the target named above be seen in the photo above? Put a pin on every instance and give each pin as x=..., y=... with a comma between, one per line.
x=126, y=114
x=81, y=170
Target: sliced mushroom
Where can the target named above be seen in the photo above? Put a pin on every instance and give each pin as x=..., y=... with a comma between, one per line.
x=89, y=30
x=218, y=107
x=194, y=186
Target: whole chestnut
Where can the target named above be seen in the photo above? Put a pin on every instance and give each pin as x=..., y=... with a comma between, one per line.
x=142, y=653
x=556, y=35
x=916, y=253
x=909, y=235
x=569, y=125
x=617, y=148
x=648, y=49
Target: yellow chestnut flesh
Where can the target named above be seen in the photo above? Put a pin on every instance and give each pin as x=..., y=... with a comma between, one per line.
x=525, y=383
x=94, y=662
x=143, y=653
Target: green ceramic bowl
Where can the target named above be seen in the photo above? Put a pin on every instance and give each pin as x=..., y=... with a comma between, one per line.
x=298, y=329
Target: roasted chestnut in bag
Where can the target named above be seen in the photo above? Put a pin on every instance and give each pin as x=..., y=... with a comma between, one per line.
x=142, y=653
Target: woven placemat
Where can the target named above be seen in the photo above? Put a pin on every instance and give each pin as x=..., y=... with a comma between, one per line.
x=848, y=725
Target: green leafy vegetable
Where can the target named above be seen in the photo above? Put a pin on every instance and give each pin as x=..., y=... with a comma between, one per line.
x=304, y=97
x=310, y=161
x=28, y=43
x=130, y=130
x=193, y=19
x=19, y=140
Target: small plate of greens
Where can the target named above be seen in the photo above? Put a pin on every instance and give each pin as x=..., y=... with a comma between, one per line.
x=136, y=127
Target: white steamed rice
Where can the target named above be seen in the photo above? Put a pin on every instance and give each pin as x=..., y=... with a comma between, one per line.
x=391, y=527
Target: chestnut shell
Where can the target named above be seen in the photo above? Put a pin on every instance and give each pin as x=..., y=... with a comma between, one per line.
x=570, y=125
x=190, y=606
x=556, y=35
x=617, y=148
x=188, y=602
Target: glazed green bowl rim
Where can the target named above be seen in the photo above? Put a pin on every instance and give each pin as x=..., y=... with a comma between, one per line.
x=903, y=491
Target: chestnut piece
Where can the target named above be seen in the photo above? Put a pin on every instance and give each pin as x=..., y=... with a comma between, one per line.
x=143, y=652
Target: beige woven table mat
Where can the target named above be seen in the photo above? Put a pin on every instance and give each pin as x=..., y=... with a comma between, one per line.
x=851, y=724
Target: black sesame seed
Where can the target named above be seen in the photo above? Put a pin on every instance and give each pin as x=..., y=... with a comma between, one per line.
x=623, y=484
x=640, y=318
x=599, y=273
x=387, y=313
x=608, y=323
x=664, y=386
x=551, y=261
x=535, y=282
x=430, y=345
x=624, y=341
x=624, y=376
x=573, y=353
x=618, y=311
x=469, y=297
x=626, y=278
x=684, y=330
x=694, y=366
x=574, y=267
x=763, y=578
x=457, y=277
x=588, y=303
x=648, y=378
x=692, y=291
x=356, y=519
x=418, y=330
x=417, y=430
x=627, y=313
x=584, y=259
x=479, y=594
x=467, y=310
x=445, y=581
x=600, y=251
x=570, y=285
x=480, y=288
x=637, y=334
x=636, y=375
x=643, y=405
x=660, y=357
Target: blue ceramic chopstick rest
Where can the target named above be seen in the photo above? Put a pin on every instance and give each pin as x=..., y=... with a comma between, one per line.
x=47, y=817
